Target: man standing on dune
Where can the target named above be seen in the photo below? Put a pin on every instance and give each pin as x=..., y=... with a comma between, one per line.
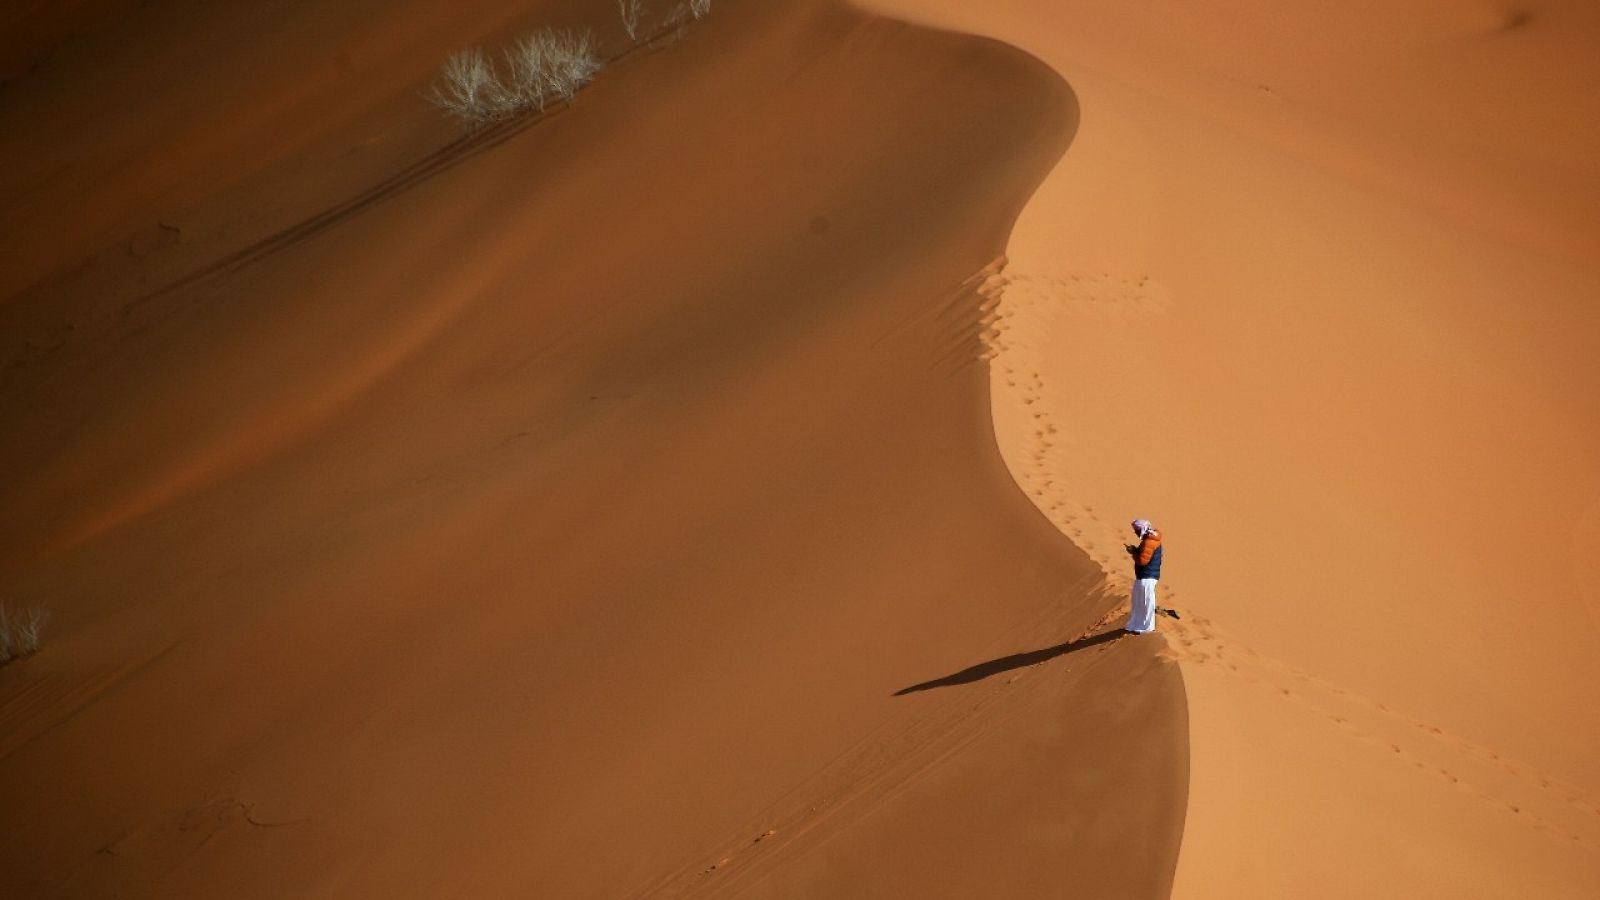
x=1146, y=572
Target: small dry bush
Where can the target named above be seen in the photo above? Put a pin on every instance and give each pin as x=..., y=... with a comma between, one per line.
x=20, y=633
x=547, y=65
x=699, y=8
x=542, y=66
x=469, y=89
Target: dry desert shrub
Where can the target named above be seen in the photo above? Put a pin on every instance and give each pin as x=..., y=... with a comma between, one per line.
x=548, y=64
x=20, y=633
x=543, y=66
x=469, y=89
x=631, y=11
x=699, y=8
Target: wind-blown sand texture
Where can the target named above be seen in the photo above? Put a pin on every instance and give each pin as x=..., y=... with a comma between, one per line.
x=716, y=488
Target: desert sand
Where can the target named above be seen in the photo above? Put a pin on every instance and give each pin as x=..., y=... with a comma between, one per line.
x=555, y=512
x=716, y=487
x=1318, y=291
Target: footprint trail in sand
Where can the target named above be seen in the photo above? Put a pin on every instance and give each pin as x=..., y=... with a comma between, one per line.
x=1031, y=304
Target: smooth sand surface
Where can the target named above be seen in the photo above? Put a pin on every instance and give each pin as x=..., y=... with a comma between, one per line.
x=605, y=505
x=1317, y=289
x=612, y=505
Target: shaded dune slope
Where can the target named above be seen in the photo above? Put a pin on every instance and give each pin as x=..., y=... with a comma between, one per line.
x=566, y=519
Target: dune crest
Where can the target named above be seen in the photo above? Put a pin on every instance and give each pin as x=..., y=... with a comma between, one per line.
x=1314, y=289
x=568, y=512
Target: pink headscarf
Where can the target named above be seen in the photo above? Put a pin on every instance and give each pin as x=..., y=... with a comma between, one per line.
x=1141, y=527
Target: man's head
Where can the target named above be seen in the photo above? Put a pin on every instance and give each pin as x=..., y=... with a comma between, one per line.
x=1141, y=527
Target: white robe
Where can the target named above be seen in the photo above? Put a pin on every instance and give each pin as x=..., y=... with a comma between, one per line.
x=1142, y=614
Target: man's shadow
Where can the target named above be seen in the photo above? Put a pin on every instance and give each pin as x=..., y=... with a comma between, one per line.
x=1014, y=661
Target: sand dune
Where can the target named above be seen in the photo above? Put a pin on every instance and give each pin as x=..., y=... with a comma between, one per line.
x=1315, y=289
x=562, y=512
x=716, y=488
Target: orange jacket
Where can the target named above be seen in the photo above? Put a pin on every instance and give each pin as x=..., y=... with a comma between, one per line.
x=1147, y=556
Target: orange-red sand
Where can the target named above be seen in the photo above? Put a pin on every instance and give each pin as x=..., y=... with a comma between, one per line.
x=717, y=487
x=1317, y=289
x=563, y=512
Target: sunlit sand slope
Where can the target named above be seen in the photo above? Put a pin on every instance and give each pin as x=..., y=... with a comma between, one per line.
x=1317, y=288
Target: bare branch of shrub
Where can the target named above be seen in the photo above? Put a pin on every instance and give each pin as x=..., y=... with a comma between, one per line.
x=541, y=66
x=529, y=82
x=21, y=633
x=469, y=89
x=631, y=11
x=547, y=64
